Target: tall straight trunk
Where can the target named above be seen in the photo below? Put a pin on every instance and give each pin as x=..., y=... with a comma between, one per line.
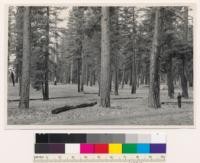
x=154, y=87
x=133, y=75
x=19, y=45
x=111, y=77
x=91, y=76
x=46, y=78
x=105, y=57
x=56, y=54
x=115, y=45
x=86, y=74
x=130, y=75
x=170, y=83
x=25, y=83
x=71, y=71
x=123, y=75
x=116, y=84
x=82, y=70
x=78, y=74
x=184, y=85
x=146, y=77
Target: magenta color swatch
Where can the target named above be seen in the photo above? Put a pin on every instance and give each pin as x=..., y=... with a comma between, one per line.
x=87, y=148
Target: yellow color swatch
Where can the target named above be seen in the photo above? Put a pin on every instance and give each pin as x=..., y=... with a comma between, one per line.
x=115, y=148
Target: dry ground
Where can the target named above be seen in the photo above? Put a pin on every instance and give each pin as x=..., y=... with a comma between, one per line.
x=126, y=109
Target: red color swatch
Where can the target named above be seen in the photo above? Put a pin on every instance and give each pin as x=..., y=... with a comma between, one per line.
x=101, y=148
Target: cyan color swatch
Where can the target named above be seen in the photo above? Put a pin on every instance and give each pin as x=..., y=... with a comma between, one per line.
x=143, y=148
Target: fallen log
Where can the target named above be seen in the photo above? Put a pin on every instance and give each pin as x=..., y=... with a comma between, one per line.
x=67, y=107
x=175, y=103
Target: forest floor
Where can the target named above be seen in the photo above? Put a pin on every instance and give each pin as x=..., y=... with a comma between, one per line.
x=126, y=108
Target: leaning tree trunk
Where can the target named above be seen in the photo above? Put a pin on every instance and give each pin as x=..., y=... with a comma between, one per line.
x=154, y=87
x=184, y=85
x=105, y=58
x=133, y=74
x=25, y=83
x=170, y=83
x=46, y=78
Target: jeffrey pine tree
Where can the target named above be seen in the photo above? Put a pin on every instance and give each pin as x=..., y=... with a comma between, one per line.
x=105, y=58
x=154, y=87
x=25, y=83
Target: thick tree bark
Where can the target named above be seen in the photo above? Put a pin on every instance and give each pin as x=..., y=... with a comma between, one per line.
x=114, y=27
x=184, y=85
x=134, y=75
x=170, y=78
x=19, y=45
x=105, y=58
x=55, y=54
x=25, y=83
x=154, y=87
x=46, y=78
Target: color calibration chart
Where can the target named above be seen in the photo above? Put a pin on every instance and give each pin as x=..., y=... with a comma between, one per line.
x=96, y=148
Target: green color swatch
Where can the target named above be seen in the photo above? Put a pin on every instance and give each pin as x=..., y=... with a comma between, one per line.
x=129, y=148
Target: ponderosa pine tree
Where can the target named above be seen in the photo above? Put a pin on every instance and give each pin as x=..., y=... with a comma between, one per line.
x=105, y=58
x=134, y=75
x=46, y=69
x=184, y=83
x=154, y=87
x=25, y=83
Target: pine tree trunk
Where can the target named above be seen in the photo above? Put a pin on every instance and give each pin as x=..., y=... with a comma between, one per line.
x=134, y=75
x=19, y=45
x=154, y=87
x=78, y=74
x=25, y=83
x=55, y=54
x=105, y=58
x=111, y=78
x=184, y=85
x=130, y=75
x=86, y=74
x=170, y=78
x=46, y=78
x=146, y=79
x=116, y=80
x=123, y=76
x=91, y=77
x=82, y=70
x=71, y=72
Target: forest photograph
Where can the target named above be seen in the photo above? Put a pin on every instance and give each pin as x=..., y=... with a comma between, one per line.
x=100, y=65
